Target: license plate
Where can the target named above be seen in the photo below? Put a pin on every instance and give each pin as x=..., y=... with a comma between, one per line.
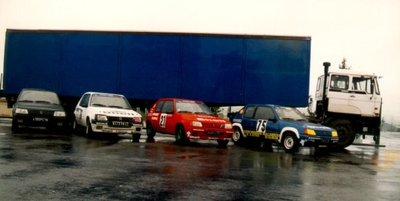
x=119, y=123
x=40, y=119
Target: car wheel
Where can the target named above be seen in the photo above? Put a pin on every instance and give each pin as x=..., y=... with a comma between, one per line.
x=237, y=136
x=222, y=143
x=149, y=130
x=180, y=136
x=14, y=127
x=75, y=127
x=88, y=130
x=136, y=137
x=290, y=143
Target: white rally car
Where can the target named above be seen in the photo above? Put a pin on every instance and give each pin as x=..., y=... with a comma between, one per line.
x=107, y=113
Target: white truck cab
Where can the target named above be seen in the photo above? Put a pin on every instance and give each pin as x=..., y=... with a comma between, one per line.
x=350, y=102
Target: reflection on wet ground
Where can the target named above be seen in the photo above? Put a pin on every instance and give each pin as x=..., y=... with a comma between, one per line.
x=46, y=166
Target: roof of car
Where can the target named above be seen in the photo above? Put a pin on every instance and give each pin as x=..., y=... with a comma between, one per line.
x=180, y=99
x=103, y=93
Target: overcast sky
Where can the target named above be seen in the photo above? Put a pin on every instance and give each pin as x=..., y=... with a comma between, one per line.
x=365, y=32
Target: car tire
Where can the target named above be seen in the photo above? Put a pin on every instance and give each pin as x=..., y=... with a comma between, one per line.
x=75, y=128
x=88, y=129
x=136, y=137
x=180, y=136
x=237, y=136
x=222, y=143
x=150, y=130
x=290, y=143
x=14, y=127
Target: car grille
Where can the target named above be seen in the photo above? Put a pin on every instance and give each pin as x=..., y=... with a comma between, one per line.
x=43, y=113
x=121, y=122
x=213, y=125
x=324, y=133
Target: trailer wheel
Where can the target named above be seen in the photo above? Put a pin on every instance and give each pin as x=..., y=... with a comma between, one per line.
x=180, y=136
x=345, y=133
x=237, y=136
x=290, y=143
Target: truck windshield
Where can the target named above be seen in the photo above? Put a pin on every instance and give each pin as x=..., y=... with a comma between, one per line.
x=109, y=101
x=290, y=113
x=192, y=107
x=362, y=84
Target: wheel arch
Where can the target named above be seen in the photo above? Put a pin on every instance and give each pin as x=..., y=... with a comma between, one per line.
x=289, y=130
x=240, y=127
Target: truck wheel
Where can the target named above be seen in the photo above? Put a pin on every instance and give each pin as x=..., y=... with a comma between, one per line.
x=237, y=136
x=290, y=143
x=180, y=136
x=222, y=143
x=345, y=133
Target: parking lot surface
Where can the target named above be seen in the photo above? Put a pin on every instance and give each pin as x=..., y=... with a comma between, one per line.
x=38, y=165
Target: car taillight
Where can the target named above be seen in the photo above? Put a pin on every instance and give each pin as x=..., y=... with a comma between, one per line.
x=137, y=120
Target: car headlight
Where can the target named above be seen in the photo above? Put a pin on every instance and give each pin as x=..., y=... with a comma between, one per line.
x=228, y=126
x=308, y=131
x=59, y=114
x=21, y=111
x=101, y=117
x=197, y=124
x=334, y=133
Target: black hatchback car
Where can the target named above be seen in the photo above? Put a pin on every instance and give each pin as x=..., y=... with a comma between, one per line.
x=38, y=108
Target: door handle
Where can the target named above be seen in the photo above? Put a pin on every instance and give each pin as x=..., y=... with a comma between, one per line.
x=352, y=96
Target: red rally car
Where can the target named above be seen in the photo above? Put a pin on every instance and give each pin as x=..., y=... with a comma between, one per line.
x=187, y=119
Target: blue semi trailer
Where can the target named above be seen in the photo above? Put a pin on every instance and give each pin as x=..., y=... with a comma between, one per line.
x=220, y=69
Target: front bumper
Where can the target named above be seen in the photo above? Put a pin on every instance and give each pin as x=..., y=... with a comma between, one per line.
x=40, y=121
x=204, y=134
x=105, y=128
x=317, y=141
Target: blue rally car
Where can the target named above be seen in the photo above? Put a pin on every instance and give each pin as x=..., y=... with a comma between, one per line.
x=284, y=125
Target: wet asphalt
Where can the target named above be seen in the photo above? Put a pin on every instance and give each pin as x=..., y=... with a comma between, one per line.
x=38, y=165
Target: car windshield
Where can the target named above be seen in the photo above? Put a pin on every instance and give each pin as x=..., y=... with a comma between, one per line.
x=289, y=113
x=192, y=107
x=113, y=101
x=32, y=96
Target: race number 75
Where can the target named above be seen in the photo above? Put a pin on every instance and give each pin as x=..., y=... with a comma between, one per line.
x=261, y=125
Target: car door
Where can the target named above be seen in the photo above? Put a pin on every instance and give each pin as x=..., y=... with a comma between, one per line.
x=156, y=116
x=249, y=124
x=272, y=127
x=81, y=110
x=167, y=122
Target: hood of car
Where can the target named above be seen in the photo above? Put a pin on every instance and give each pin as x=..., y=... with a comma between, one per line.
x=204, y=118
x=39, y=106
x=115, y=112
x=303, y=124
